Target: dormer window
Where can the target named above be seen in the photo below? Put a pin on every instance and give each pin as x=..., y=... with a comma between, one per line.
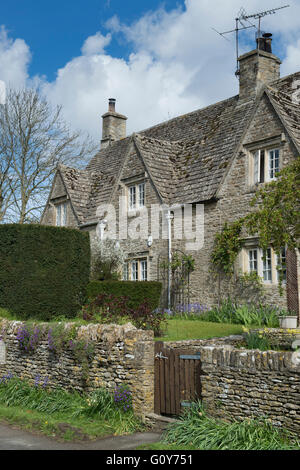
x=265, y=165
x=61, y=214
x=136, y=196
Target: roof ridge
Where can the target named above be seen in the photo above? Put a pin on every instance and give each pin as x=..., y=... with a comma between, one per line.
x=187, y=114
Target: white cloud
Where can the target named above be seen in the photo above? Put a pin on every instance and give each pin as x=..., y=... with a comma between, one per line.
x=14, y=60
x=178, y=63
x=95, y=44
x=291, y=62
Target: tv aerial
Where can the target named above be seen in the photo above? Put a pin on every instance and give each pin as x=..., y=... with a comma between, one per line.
x=240, y=25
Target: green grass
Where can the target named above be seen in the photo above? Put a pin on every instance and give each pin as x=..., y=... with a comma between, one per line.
x=65, y=415
x=196, y=430
x=183, y=329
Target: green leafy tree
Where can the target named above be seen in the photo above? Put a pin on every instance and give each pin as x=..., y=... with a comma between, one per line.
x=276, y=219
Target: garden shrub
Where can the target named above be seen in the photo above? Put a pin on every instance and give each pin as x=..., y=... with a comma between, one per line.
x=108, y=308
x=135, y=292
x=44, y=270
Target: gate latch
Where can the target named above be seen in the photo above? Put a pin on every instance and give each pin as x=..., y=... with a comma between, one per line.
x=160, y=356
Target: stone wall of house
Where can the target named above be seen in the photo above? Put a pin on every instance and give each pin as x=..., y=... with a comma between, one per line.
x=234, y=202
x=123, y=355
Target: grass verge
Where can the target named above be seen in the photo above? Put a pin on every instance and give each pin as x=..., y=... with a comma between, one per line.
x=64, y=415
x=197, y=431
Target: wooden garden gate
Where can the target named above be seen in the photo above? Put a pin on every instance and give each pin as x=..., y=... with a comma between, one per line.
x=177, y=379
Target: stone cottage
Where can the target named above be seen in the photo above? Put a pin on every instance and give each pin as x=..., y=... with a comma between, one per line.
x=206, y=166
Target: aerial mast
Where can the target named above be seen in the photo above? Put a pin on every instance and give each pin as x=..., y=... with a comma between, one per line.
x=239, y=26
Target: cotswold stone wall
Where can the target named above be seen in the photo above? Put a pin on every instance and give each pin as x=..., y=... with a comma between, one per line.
x=123, y=355
x=250, y=383
x=237, y=383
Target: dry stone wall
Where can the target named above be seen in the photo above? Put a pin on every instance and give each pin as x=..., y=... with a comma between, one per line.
x=237, y=383
x=243, y=384
x=123, y=355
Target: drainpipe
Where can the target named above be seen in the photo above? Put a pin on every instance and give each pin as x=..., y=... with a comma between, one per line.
x=169, y=217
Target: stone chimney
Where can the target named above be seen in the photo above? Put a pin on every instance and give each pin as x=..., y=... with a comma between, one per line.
x=113, y=125
x=257, y=68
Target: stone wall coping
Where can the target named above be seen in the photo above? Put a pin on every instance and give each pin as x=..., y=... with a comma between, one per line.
x=92, y=331
x=240, y=358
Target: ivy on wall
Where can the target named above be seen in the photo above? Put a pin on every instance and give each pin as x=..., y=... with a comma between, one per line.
x=227, y=245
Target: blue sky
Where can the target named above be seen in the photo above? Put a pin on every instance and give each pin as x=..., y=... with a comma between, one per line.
x=56, y=30
x=159, y=59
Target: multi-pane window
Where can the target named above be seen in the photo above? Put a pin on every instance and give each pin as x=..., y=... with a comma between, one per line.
x=61, y=214
x=253, y=260
x=135, y=270
x=273, y=163
x=132, y=197
x=266, y=264
x=141, y=195
x=125, y=272
x=281, y=265
x=137, y=196
x=265, y=165
x=144, y=270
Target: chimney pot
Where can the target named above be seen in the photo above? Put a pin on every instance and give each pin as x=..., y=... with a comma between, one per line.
x=264, y=43
x=112, y=105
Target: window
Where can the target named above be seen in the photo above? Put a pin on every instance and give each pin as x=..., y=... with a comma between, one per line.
x=266, y=264
x=253, y=261
x=265, y=165
x=273, y=163
x=137, y=196
x=281, y=265
x=144, y=270
x=125, y=272
x=132, y=197
x=142, y=195
x=135, y=270
x=61, y=214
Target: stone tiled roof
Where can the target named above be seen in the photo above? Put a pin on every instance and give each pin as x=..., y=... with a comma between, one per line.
x=209, y=138
x=186, y=157
x=79, y=189
x=285, y=98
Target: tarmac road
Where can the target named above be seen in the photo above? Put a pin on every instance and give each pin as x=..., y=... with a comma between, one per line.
x=12, y=438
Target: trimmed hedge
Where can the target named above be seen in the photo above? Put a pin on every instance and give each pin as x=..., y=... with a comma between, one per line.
x=136, y=292
x=44, y=270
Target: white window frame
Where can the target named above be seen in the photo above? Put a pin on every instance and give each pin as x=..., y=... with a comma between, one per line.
x=271, y=165
x=126, y=271
x=144, y=270
x=266, y=268
x=134, y=274
x=61, y=214
x=135, y=270
x=281, y=259
x=132, y=197
x=141, y=194
x=136, y=196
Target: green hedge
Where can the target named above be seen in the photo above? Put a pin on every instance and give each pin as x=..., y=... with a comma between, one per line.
x=44, y=270
x=136, y=292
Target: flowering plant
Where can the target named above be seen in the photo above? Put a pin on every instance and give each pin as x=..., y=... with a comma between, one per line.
x=28, y=337
x=123, y=398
